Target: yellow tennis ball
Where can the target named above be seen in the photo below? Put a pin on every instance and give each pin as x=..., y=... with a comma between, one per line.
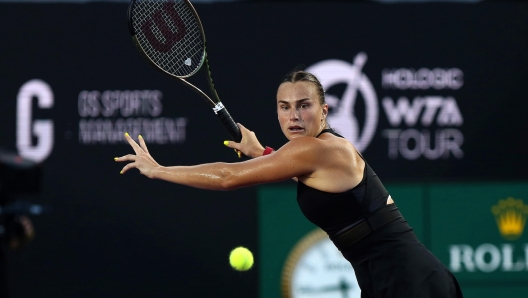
x=241, y=259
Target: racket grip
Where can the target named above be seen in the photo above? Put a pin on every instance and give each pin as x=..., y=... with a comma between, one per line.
x=229, y=124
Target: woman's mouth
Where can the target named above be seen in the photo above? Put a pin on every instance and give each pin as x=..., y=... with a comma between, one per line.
x=295, y=128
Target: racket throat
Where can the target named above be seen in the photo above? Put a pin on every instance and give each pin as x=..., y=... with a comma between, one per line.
x=218, y=107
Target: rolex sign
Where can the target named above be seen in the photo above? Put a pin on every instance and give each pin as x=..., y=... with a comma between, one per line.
x=486, y=241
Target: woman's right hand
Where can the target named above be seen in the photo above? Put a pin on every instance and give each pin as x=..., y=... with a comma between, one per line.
x=249, y=145
x=142, y=160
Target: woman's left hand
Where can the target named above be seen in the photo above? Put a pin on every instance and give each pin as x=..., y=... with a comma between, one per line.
x=142, y=160
x=249, y=145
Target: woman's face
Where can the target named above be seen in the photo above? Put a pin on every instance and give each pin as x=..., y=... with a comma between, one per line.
x=299, y=110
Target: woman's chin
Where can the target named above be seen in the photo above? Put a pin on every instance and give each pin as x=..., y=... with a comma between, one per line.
x=295, y=134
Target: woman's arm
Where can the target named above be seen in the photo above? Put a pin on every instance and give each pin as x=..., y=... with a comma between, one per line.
x=298, y=157
x=250, y=145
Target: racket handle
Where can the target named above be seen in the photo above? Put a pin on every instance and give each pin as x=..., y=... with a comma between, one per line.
x=229, y=124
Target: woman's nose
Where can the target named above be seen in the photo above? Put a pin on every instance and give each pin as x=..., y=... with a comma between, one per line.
x=294, y=114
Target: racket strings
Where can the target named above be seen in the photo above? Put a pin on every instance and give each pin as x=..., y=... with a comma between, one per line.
x=170, y=35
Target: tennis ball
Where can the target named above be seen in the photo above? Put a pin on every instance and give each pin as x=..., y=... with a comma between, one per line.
x=241, y=259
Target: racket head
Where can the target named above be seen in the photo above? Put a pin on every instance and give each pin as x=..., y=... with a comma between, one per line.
x=170, y=35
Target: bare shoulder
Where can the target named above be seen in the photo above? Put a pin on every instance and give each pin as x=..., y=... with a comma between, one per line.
x=310, y=149
x=337, y=147
x=330, y=147
x=339, y=165
x=320, y=145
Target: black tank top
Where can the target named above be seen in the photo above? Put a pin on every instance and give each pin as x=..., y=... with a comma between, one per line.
x=335, y=211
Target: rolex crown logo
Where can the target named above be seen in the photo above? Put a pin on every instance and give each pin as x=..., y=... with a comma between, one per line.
x=510, y=215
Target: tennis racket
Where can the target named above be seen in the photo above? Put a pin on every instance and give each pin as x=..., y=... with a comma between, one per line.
x=170, y=35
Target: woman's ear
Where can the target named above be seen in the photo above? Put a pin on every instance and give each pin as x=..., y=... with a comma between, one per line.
x=325, y=110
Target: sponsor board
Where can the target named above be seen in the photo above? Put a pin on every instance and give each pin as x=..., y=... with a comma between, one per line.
x=103, y=118
x=486, y=222
x=426, y=126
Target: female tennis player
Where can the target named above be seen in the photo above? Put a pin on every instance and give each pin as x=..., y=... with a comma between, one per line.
x=337, y=190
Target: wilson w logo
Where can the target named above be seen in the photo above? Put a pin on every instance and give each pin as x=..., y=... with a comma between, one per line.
x=167, y=34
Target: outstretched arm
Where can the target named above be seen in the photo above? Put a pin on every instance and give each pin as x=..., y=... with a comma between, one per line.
x=249, y=145
x=298, y=157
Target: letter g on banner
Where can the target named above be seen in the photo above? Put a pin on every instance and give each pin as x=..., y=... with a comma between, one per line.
x=41, y=129
x=342, y=118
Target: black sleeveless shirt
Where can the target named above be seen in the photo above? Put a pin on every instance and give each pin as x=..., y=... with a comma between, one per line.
x=335, y=211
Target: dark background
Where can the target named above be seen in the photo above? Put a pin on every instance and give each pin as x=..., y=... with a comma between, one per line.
x=126, y=236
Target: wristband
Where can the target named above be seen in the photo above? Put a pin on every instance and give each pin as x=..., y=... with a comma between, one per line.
x=267, y=151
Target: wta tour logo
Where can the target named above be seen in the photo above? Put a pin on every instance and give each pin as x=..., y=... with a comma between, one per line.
x=424, y=127
x=428, y=125
x=342, y=115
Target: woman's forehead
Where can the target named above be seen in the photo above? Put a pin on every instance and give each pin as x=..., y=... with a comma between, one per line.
x=294, y=91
